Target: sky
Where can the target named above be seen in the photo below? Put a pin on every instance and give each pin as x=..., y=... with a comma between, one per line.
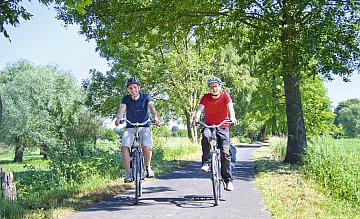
x=45, y=40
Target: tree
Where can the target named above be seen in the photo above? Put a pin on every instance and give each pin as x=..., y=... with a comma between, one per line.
x=319, y=119
x=344, y=104
x=41, y=107
x=348, y=116
x=177, y=80
x=320, y=36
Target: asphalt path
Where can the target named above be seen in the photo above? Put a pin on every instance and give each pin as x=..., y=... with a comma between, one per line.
x=186, y=193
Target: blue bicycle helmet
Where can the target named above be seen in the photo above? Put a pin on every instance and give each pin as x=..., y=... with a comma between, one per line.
x=132, y=80
x=214, y=79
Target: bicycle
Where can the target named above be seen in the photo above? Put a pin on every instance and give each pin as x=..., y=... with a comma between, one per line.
x=137, y=161
x=215, y=161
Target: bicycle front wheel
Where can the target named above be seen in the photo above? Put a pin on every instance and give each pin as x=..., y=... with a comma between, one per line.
x=137, y=177
x=141, y=173
x=215, y=177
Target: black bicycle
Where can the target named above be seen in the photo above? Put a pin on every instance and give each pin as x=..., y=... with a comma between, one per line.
x=215, y=161
x=137, y=161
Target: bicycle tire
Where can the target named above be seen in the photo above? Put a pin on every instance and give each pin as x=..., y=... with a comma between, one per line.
x=215, y=177
x=137, y=177
x=142, y=174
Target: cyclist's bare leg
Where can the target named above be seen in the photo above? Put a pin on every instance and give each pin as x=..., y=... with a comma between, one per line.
x=147, y=156
x=125, y=155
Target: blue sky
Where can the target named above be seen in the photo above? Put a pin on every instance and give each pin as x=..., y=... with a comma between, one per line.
x=44, y=40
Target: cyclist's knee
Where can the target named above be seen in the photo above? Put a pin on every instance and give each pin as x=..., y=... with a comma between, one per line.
x=206, y=133
x=125, y=149
x=146, y=148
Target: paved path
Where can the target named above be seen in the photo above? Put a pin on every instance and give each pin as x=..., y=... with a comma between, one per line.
x=187, y=193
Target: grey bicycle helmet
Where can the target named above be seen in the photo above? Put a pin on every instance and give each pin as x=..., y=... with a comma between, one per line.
x=132, y=80
x=214, y=79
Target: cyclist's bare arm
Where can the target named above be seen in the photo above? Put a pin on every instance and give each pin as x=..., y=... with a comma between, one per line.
x=232, y=113
x=153, y=112
x=198, y=112
x=120, y=113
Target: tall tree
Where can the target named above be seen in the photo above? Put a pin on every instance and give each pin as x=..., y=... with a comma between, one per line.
x=318, y=35
x=42, y=107
x=349, y=117
x=175, y=77
x=344, y=104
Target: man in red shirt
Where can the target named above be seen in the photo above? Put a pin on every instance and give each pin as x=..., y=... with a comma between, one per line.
x=218, y=107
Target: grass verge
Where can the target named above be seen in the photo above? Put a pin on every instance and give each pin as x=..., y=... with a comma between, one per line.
x=288, y=193
x=55, y=201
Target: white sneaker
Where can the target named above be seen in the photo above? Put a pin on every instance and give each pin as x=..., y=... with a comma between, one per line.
x=229, y=186
x=128, y=178
x=205, y=168
x=149, y=173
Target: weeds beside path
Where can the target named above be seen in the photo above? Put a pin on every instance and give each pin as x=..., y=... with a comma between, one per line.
x=288, y=194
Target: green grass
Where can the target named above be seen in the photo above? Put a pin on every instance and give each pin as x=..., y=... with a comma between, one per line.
x=40, y=195
x=335, y=165
x=291, y=192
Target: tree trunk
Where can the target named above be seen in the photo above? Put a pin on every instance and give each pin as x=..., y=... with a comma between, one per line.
x=19, y=151
x=295, y=120
x=192, y=132
x=274, y=127
x=44, y=150
x=296, y=143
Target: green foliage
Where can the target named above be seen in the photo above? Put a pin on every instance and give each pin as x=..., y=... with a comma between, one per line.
x=43, y=108
x=136, y=36
x=278, y=145
x=288, y=193
x=28, y=99
x=181, y=133
x=70, y=165
x=165, y=132
x=348, y=116
x=335, y=165
x=350, y=119
x=107, y=134
x=319, y=119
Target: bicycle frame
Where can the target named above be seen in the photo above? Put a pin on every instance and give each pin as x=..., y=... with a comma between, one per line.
x=137, y=161
x=215, y=161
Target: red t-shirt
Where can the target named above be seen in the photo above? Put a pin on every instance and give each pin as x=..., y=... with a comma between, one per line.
x=216, y=110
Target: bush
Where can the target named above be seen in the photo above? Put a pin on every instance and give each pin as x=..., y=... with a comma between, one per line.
x=107, y=134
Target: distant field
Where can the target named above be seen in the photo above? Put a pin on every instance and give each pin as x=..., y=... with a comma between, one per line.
x=32, y=157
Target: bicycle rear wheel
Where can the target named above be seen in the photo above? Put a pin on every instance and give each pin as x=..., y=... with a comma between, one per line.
x=215, y=177
x=137, y=177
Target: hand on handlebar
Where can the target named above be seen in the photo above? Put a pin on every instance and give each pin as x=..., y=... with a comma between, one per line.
x=119, y=121
x=233, y=121
x=194, y=123
x=156, y=121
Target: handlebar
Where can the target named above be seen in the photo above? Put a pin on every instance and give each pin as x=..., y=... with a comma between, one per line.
x=135, y=124
x=214, y=126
